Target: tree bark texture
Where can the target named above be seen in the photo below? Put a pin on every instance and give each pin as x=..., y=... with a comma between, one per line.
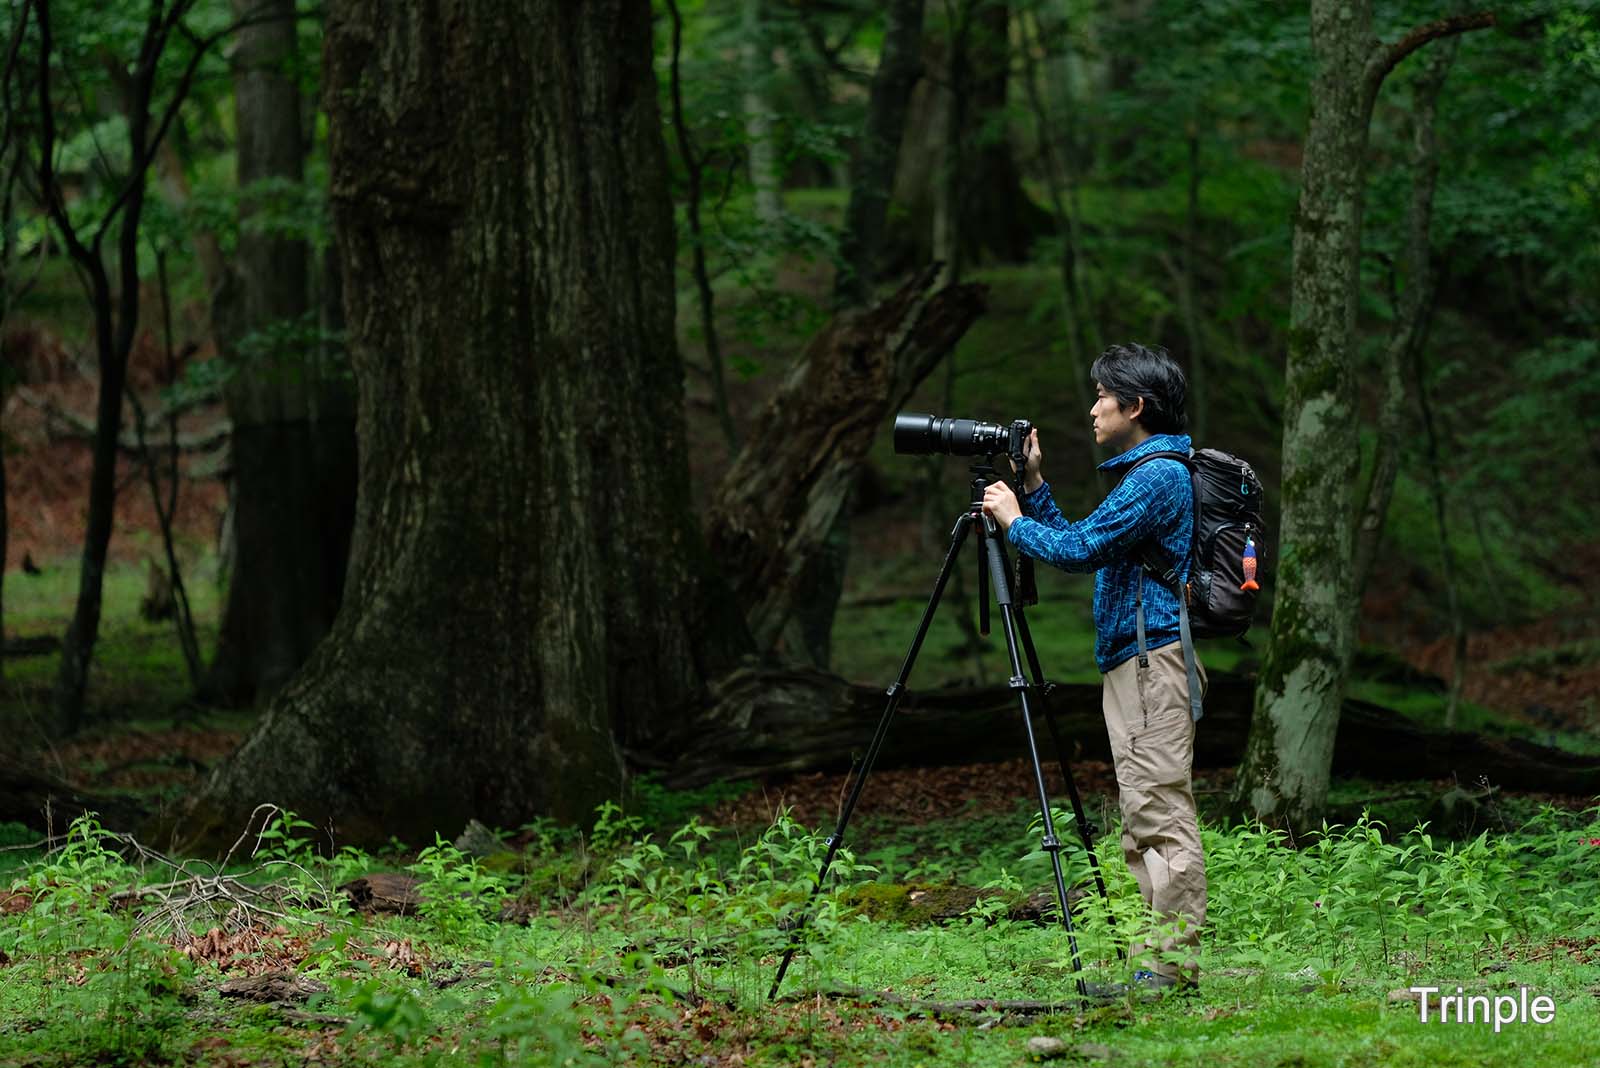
x=526, y=581
x=872, y=175
x=772, y=526
x=1285, y=772
x=293, y=413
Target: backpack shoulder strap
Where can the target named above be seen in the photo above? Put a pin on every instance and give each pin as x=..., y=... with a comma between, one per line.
x=1166, y=574
x=1149, y=556
x=1167, y=454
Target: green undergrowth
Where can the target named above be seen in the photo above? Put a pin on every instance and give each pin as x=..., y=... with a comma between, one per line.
x=662, y=948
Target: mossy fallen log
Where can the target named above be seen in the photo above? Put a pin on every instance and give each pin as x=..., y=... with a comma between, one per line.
x=765, y=720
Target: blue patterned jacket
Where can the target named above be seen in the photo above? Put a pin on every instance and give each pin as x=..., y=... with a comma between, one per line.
x=1157, y=500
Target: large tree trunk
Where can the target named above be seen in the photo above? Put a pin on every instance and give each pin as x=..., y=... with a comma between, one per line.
x=1284, y=775
x=293, y=443
x=526, y=581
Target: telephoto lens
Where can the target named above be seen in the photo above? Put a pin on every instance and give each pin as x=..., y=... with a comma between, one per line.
x=919, y=435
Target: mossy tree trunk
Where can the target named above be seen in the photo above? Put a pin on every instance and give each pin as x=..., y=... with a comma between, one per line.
x=1284, y=775
x=527, y=588
x=293, y=412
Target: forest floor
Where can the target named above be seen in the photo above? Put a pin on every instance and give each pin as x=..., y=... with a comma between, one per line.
x=654, y=939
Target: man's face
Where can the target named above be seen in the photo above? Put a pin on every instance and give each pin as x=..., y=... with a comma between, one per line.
x=1113, y=426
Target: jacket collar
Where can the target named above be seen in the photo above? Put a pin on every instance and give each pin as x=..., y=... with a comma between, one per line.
x=1153, y=443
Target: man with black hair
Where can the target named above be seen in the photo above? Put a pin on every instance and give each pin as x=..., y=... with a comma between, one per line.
x=1139, y=410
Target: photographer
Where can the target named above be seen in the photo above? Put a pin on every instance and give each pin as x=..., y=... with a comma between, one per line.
x=1139, y=410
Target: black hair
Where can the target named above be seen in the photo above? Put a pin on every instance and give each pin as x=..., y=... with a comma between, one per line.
x=1131, y=371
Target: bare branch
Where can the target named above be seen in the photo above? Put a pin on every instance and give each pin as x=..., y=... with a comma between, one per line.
x=13, y=53
x=1386, y=57
x=49, y=186
x=63, y=423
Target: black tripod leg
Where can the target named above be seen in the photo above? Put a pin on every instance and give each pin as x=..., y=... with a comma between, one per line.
x=1085, y=829
x=958, y=536
x=1019, y=683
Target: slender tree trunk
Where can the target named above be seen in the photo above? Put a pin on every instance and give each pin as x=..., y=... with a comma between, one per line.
x=116, y=311
x=999, y=218
x=757, y=62
x=116, y=318
x=1414, y=314
x=165, y=504
x=1075, y=328
x=293, y=444
x=526, y=582
x=9, y=160
x=970, y=57
x=947, y=179
x=1199, y=387
x=694, y=165
x=872, y=177
x=1447, y=553
x=1284, y=775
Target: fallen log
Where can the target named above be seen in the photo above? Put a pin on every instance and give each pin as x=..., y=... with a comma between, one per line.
x=39, y=800
x=385, y=891
x=281, y=985
x=38, y=645
x=767, y=720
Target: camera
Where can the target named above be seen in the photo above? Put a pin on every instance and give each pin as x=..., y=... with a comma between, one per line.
x=921, y=435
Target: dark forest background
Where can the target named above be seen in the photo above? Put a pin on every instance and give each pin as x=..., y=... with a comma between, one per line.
x=614, y=521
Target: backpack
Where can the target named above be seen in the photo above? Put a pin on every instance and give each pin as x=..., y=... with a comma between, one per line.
x=1224, y=556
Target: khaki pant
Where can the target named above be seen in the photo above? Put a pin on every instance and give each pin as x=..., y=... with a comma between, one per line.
x=1152, y=745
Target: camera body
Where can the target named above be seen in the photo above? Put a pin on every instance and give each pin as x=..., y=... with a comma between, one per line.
x=919, y=434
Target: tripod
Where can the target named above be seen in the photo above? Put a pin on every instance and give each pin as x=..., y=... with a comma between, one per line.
x=993, y=569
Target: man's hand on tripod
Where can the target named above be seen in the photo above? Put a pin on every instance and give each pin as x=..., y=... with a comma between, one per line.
x=1000, y=503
